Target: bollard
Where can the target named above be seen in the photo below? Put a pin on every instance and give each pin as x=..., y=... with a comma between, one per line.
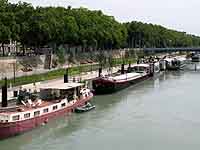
x=195, y=67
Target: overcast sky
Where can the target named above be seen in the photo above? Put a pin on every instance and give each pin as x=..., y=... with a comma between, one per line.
x=181, y=15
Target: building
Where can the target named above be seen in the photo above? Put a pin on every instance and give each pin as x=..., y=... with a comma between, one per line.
x=9, y=49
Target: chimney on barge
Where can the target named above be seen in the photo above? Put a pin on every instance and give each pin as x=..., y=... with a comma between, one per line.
x=66, y=76
x=100, y=72
x=122, y=69
x=4, y=102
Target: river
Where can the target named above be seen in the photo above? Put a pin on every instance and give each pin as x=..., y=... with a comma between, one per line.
x=157, y=114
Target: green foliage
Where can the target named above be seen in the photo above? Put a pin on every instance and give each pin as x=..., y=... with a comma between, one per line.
x=55, y=26
x=149, y=35
x=38, y=27
x=60, y=72
x=50, y=75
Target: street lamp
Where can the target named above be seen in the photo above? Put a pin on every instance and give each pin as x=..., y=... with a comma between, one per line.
x=14, y=71
x=13, y=64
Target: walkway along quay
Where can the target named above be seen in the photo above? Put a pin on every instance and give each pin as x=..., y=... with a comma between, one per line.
x=172, y=49
x=86, y=76
x=81, y=77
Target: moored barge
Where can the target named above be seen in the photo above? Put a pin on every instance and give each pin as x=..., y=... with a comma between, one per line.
x=54, y=101
x=122, y=79
x=195, y=58
x=176, y=63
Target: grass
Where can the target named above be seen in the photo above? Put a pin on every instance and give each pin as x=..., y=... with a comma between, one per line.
x=49, y=75
x=60, y=72
x=126, y=61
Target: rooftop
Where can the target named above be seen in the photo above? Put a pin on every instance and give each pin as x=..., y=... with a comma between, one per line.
x=141, y=65
x=60, y=85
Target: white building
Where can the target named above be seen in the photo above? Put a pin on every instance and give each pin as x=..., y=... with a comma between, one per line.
x=9, y=49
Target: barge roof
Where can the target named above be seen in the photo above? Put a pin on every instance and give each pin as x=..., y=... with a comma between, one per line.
x=60, y=86
x=141, y=65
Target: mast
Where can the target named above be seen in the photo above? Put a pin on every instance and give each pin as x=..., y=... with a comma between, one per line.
x=110, y=61
x=100, y=59
x=122, y=66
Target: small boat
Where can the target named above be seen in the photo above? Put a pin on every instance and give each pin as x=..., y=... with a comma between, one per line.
x=84, y=108
x=177, y=63
x=196, y=58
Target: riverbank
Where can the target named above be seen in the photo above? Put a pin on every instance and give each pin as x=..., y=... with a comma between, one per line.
x=79, y=73
x=73, y=71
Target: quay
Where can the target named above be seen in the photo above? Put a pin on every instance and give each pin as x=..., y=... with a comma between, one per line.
x=85, y=76
x=35, y=86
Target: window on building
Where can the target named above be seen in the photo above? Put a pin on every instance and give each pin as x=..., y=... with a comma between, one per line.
x=15, y=118
x=55, y=107
x=37, y=113
x=46, y=110
x=27, y=115
x=63, y=104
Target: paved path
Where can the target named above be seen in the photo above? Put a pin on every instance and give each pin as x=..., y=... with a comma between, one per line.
x=10, y=74
x=83, y=76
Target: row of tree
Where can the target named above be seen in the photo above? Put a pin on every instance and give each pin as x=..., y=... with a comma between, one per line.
x=53, y=26
x=149, y=35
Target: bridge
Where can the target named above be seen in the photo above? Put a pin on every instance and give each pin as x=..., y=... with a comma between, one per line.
x=183, y=49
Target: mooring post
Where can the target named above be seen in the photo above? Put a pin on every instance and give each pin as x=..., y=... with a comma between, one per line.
x=195, y=67
x=4, y=102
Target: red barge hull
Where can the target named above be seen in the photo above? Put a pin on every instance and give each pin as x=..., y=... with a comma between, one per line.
x=103, y=86
x=15, y=128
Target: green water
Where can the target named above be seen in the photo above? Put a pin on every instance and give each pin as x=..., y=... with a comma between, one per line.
x=158, y=114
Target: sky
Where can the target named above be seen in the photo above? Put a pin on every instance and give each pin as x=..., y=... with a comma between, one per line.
x=181, y=15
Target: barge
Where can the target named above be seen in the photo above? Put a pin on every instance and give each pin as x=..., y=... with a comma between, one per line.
x=195, y=58
x=31, y=112
x=174, y=64
x=123, y=78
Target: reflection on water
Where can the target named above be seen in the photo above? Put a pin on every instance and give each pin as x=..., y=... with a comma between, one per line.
x=160, y=113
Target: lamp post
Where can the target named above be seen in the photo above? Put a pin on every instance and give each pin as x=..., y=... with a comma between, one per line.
x=13, y=64
x=14, y=72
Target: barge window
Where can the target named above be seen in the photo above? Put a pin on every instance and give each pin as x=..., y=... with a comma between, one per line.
x=46, y=110
x=27, y=115
x=63, y=105
x=15, y=118
x=37, y=113
x=55, y=107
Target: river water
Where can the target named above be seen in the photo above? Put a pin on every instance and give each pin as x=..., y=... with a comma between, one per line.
x=158, y=114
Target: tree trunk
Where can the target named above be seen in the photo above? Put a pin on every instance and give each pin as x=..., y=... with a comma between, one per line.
x=23, y=48
x=3, y=48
